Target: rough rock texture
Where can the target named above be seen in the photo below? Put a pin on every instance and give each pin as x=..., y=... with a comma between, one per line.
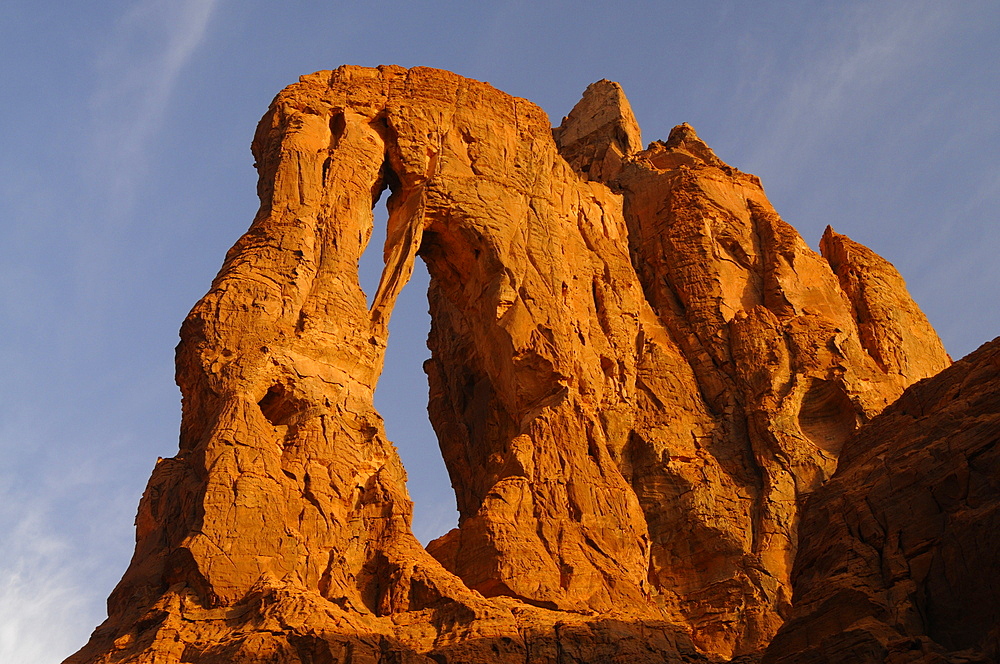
x=635, y=376
x=773, y=352
x=893, y=329
x=599, y=132
x=900, y=559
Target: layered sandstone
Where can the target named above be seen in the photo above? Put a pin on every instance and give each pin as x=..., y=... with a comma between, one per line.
x=637, y=372
x=900, y=555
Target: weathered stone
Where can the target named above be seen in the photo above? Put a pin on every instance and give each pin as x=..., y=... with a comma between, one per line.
x=600, y=132
x=635, y=377
x=893, y=329
x=771, y=346
x=900, y=552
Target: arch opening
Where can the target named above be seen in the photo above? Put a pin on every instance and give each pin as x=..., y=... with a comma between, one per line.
x=401, y=393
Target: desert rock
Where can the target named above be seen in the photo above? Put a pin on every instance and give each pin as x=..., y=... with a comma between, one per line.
x=638, y=371
x=893, y=330
x=772, y=346
x=900, y=553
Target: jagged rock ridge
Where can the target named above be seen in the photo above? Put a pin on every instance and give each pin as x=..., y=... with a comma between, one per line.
x=638, y=370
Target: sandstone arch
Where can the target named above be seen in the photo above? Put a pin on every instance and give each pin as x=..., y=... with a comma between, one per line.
x=610, y=379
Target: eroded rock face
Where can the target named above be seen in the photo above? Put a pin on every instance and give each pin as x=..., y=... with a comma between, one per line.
x=900, y=553
x=637, y=371
x=599, y=132
x=772, y=346
x=893, y=329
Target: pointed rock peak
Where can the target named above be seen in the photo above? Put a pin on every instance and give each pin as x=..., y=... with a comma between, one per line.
x=830, y=243
x=602, y=113
x=599, y=132
x=839, y=250
x=830, y=235
x=894, y=331
x=684, y=139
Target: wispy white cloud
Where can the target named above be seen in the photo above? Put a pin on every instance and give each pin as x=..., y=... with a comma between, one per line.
x=54, y=574
x=40, y=603
x=864, y=48
x=137, y=74
x=65, y=535
x=150, y=47
x=872, y=125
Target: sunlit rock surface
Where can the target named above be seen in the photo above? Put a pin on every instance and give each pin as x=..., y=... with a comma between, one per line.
x=638, y=372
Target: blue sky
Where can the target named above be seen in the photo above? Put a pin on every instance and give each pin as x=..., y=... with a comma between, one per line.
x=126, y=174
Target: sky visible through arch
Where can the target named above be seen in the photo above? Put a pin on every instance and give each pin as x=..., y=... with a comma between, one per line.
x=401, y=394
x=126, y=175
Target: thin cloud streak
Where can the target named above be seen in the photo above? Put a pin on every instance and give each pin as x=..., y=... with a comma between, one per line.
x=873, y=62
x=40, y=606
x=47, y=608
x=138, y=74
x=866, y=52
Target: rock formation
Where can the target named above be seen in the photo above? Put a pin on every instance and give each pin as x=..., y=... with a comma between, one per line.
x=638, y=371
x=900, y=559
x=784, y=360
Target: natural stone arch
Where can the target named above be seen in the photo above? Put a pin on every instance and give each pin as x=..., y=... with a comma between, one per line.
x=610, y=410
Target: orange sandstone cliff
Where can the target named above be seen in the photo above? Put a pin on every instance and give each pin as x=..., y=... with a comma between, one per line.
x=638, y=373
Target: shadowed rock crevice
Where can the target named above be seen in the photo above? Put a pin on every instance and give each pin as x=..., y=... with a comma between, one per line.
x=371, y=264
x=899, y=558
x=826, y=415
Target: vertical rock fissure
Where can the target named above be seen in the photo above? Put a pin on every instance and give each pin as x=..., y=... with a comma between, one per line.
x=371, y=264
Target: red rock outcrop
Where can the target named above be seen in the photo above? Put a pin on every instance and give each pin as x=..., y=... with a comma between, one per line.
x=635, y=377
x=783, y=373
x=893, y=329
x=900, y=553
